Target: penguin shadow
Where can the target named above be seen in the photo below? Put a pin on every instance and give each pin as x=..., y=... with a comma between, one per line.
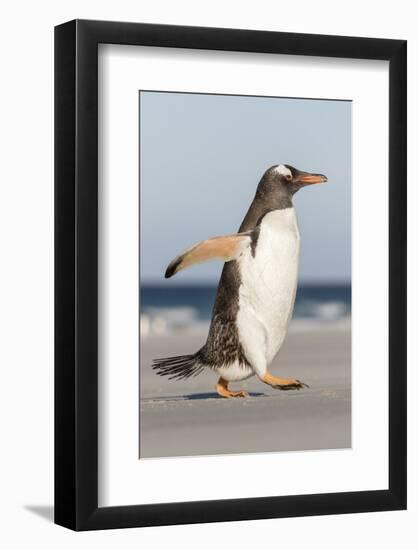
x=214, y=395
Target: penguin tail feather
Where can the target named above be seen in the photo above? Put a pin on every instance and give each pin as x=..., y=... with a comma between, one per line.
x=179, y=368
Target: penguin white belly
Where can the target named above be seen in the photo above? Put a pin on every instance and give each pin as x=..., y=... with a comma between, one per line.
x=268, y=288
x=235, y=372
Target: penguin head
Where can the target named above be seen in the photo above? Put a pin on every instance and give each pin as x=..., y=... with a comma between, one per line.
x=282, y=181
x=292, y=179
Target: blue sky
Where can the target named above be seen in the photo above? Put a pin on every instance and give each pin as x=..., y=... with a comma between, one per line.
x=202, y=156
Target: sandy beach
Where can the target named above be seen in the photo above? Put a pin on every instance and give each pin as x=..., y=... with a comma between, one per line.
x=186, y=418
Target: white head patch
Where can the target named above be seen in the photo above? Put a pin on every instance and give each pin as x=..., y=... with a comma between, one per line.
x=283, y=170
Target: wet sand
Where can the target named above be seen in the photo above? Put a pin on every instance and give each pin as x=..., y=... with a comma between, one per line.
x=187, y=418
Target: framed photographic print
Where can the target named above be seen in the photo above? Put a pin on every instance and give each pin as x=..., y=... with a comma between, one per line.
x=230, y=275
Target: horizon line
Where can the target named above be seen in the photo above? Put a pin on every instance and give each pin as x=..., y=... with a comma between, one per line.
x=312, y=282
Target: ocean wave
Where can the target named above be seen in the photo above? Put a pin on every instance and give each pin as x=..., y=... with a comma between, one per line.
x=308, y=315
x=324, y=310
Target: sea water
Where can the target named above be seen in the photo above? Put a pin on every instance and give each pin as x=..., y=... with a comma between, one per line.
x=183, y=306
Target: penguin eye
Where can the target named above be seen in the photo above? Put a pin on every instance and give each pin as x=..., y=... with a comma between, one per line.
x=288, y=177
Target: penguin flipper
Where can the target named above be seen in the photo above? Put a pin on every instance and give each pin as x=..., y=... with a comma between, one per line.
x=225, y=248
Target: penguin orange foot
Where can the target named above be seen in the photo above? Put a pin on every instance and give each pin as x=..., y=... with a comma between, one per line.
x=283, y=383
x=223, y=391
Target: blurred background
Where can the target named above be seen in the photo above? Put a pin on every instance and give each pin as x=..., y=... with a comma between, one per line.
x=201, y=158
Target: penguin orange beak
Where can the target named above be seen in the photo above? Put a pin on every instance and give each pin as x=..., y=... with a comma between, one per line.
x=308, y=179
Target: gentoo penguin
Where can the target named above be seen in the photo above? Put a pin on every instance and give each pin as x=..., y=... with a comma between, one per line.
x=256, y=293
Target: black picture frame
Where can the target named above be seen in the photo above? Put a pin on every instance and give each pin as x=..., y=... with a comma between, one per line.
x=76, y=272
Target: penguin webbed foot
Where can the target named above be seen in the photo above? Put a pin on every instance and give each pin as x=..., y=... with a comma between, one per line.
x=283, y=384
x=223, y=390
